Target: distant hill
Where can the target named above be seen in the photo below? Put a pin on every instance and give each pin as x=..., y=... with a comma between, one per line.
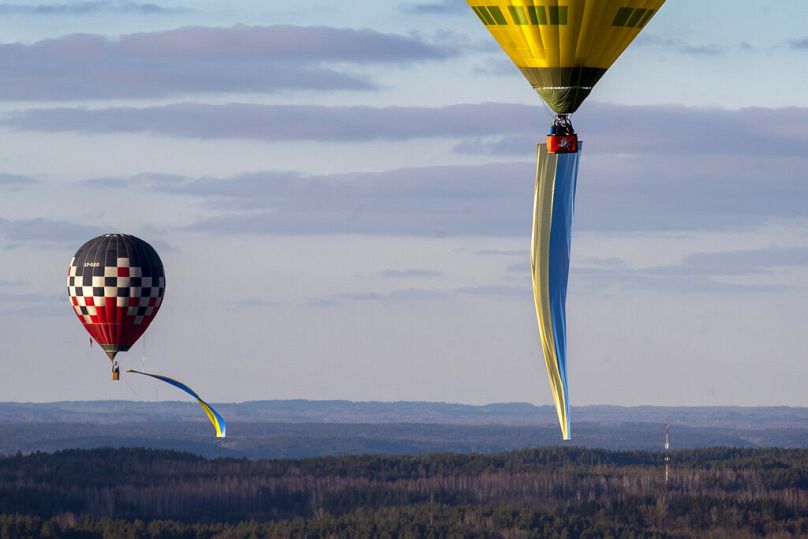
x=300, y=428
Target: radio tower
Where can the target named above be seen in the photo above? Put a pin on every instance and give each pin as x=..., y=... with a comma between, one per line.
x=667, y=457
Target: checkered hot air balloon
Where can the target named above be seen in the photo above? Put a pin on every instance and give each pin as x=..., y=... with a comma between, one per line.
x=116, y=285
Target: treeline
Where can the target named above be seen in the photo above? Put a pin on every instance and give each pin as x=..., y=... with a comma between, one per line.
x=551, y=492
x=426, y=521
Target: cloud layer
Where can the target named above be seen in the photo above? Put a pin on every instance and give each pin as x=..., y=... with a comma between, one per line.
x=485, y=128
x=434, y=8
x=15, y=180
x=202, y=60
x=41, y=230
x=615, y=193
x=86, y=8
x=286, y=122
x=737, y=271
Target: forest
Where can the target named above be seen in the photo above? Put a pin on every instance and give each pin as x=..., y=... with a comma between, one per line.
x=548, y=492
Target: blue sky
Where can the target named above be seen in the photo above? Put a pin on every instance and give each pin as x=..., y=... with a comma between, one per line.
x=341, y=195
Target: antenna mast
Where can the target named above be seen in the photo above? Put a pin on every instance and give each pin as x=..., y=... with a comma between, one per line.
x=667, y=456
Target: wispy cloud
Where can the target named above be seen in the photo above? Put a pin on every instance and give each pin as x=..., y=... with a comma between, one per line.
x=485, y=128
x=32, y=304
x=500, y=252
x=404, y=295
x=148, y=180
x=88, y=8
x=610, y=278
x=800, y=44
x=45, y=231
x=681, y=46
x=717, y=272
x=516, y=144
x=494, y=290
x=430, y=201
x=287, y=122
x=407, y=295
x=743, y=262
x=522, y=267
x=617, y=192
x=431, y=8
x=15, y=180
x=410, y=273
x=198, y=60
x=253, y=303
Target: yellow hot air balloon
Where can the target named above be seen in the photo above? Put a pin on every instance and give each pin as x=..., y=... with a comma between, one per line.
x=563, y=48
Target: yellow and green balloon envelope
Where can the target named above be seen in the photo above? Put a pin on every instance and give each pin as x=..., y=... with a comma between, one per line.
x=563, y=48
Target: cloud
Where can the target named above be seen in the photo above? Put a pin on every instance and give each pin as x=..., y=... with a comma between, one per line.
x=24, y=231
x=485, y=128
x=429, y=201
x=497, y=66
x=610, y=278
x=616, y=193
x=680, y=46
x=198, y=60
x=31, y=303
x=148, y=180
x=522, y=267
x=500, y=252
x=421, y=294
x=676, y=129
x=429, y=8
x=743, y=262
x=706, y=272
x=495, y=145
x=395, y=296
x=495, y=290
x=689, y=192
x=287, y=122
x=87, y=8
x=798, y=44
x=253, y=303
x=410, y=273
x=15, y=180
x=704, y=50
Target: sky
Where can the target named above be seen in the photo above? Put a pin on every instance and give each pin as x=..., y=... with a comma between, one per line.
x=341, y=194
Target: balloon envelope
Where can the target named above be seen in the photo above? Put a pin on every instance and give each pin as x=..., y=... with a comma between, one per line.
x=563, y=47
x=116, y=285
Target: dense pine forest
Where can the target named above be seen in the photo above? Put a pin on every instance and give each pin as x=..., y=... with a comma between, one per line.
x=552, y=492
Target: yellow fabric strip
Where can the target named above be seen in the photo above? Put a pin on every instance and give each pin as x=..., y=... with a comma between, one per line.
x=212, y=417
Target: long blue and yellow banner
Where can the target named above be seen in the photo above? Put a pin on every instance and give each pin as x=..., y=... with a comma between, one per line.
x=554, y=200
x=216, y=419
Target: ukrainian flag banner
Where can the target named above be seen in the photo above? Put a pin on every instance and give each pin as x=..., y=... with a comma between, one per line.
x=215, y=418
x=553, y=204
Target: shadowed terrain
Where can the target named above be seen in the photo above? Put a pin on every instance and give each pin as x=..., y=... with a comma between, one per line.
x=298, y=429
x=548, y=492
